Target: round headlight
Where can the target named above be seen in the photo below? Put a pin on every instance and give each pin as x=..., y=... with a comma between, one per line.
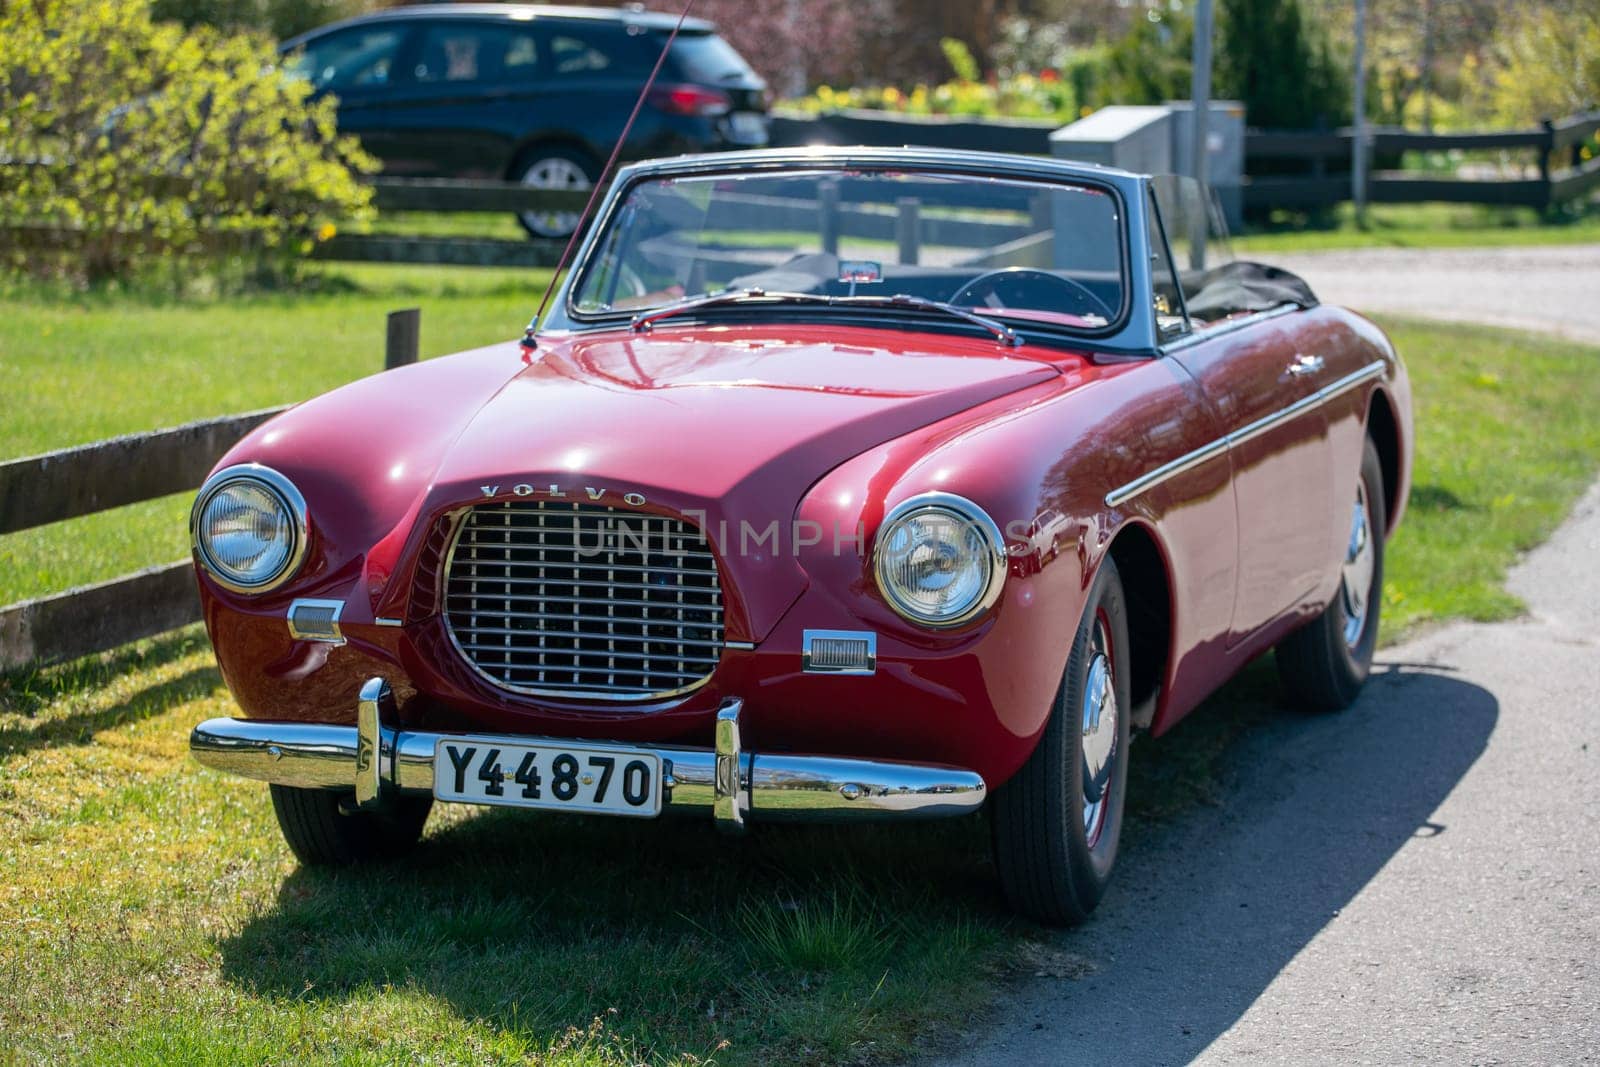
x=249, y=528
x=940, y=559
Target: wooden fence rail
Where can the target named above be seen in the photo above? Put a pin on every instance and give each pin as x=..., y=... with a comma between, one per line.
x=46, y=489
x=1555, y=152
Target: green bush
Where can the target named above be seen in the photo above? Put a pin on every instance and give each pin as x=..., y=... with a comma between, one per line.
x=125, y=142
x=280, y=18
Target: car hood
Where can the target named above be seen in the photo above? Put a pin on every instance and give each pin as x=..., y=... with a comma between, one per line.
x=729, y=424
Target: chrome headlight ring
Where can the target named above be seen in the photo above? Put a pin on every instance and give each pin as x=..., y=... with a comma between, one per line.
x=292, y=518
x=987, y=556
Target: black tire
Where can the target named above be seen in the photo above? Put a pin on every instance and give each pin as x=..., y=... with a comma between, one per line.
x=563, y=160
x=320, y=834
x=1053, y=868
x=1321, y=667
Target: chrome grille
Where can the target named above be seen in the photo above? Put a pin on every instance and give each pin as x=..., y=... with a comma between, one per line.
x=581, y=599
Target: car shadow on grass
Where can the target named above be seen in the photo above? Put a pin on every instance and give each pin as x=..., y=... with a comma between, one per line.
x=1249, y=828
x=1224, y=879
x=794, y=941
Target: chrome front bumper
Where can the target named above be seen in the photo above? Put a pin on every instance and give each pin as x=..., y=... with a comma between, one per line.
x=729, y=784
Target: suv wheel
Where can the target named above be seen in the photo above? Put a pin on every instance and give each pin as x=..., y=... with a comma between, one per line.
x=553, y=167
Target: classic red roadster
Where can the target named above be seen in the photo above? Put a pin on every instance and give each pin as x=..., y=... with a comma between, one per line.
x=838, y=484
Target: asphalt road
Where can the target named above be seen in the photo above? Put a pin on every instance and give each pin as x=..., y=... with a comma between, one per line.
x=1414, y=880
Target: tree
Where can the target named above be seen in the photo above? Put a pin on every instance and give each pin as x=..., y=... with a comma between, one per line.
x=794, y=44
x=1281, y=65
x=280, y=18
x=1548, y=63
x=1151, y=63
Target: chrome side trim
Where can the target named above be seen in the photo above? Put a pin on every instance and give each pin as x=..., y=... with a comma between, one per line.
x=776, y=788
x=1350, y=381
x=732, y=781
x=1221, y=329
x=1189, y=460
x=384, y=621
x=740, y=646
x=325, y=629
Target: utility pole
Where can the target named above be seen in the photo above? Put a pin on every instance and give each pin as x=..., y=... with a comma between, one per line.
x=1427, y=66
x=1200, y=100
x=1358, y=145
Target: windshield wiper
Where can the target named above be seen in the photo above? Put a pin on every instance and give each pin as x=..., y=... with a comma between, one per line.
x=1002, y=333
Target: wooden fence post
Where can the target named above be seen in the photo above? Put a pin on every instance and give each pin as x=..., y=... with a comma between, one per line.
x=907, y=229
x=1546, y=147
x=404, y=338
x=828, y=215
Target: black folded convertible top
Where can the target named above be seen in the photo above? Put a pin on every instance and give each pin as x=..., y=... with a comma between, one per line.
x=1245, y=286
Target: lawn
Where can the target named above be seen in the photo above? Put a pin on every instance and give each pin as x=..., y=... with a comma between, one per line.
x=1421, y=226
x=93, y=366
x=152, y=915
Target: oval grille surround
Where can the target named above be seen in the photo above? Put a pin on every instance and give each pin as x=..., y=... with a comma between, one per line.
x=583, y=600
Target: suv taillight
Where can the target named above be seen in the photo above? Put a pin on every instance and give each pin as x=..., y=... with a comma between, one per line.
x=690, y=100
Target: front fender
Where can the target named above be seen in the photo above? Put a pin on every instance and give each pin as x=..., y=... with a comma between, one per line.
x=364, y=456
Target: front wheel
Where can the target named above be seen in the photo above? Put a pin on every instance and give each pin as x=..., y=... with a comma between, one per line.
x=1058, y=820
x=1324, y=664
x=321, y=833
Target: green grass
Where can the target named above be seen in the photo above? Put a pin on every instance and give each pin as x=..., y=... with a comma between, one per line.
x=1420, y=226
x=1506, y=442
x=90, y=366
x=153, y=916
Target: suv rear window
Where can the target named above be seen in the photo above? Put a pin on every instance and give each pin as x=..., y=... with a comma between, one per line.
x=708, y=59
x=576, y=49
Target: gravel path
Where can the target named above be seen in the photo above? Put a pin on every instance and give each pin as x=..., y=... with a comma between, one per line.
x=1417, y=879
x=1553, y=289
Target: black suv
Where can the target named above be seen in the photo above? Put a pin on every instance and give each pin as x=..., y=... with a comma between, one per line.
x=531, y=93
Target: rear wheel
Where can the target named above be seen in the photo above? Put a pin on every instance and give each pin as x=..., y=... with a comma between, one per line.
x=320, y=833
x=553, y=167
x=1324, y=664
x=1057, y=822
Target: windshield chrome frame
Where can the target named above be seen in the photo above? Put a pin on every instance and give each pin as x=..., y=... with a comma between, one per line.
x=1127, y=334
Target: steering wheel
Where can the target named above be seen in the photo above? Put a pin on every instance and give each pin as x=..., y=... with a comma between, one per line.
x=1080, y=299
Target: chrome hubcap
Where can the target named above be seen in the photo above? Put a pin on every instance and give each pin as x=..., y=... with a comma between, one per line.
x=1098, y=718
x=1359, y=559
x=554, y=173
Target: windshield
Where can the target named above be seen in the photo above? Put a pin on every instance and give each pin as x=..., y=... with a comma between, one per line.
x=1048, y=254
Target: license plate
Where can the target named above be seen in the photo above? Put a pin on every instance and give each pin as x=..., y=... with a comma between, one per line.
x=747, y=127
x=564, y=777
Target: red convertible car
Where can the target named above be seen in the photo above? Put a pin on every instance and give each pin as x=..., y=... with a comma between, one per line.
x=838, y=484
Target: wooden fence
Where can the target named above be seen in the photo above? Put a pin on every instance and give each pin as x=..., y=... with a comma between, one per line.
x=1283, y=169
x=1554, y=151
x=449, y=196
x=42, y=490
